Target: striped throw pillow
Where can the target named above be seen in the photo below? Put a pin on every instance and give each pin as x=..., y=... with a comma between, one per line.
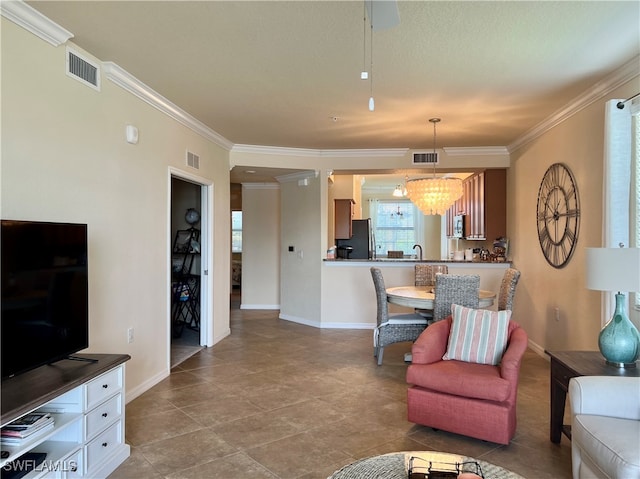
x=477, y=335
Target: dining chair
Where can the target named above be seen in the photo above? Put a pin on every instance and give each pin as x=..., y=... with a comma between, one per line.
x=392, y=328
x=455, y=289
x=425, y=275
x=508, y=289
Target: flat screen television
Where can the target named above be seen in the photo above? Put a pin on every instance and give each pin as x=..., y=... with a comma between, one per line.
x=44, y=285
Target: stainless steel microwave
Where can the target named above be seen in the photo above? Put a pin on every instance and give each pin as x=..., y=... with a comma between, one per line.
x=458, y=226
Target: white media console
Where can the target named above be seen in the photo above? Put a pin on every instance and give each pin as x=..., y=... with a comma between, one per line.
x=86, y=399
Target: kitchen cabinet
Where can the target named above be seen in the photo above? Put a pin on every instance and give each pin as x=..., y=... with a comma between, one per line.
x=484, y=204
x=343, y=216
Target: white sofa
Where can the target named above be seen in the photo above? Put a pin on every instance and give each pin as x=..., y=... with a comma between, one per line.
x=605, y=427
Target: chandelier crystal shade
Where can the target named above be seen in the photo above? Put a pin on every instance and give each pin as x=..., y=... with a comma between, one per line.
x=434, y=196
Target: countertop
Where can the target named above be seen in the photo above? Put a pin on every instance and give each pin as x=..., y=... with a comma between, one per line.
x=412, y=260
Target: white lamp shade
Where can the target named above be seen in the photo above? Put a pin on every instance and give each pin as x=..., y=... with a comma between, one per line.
x=613, y=269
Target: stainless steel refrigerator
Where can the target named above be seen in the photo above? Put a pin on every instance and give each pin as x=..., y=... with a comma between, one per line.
x=360, y=240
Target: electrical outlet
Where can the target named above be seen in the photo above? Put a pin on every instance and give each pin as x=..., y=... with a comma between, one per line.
x=557, y=311
x=130, y=335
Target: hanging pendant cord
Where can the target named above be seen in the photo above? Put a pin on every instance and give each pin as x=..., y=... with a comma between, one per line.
x=371, y=51
x=364, y=36
x=620, y=104
x=434, y=121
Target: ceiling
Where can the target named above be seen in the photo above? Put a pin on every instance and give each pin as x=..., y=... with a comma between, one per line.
x=287, y=74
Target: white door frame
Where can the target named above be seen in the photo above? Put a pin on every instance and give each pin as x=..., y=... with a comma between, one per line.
x=206, y=256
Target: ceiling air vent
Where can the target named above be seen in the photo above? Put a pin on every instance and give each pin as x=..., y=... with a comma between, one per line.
x=193, y=160
x=83, y=69
x=425, y=158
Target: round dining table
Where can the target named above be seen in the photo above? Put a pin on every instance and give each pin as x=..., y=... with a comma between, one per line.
x=422, y=297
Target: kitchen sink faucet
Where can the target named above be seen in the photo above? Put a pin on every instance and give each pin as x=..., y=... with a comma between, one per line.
x=420, y=248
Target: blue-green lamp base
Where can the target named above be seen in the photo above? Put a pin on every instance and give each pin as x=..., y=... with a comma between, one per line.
x=619, y=340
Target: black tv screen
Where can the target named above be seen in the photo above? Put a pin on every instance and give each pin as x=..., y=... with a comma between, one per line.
x=44, y=287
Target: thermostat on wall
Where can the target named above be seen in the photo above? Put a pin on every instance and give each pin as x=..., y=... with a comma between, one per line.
x=132, y=134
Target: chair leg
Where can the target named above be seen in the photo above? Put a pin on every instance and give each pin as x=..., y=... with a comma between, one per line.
x=380, y=352
x=375, y=351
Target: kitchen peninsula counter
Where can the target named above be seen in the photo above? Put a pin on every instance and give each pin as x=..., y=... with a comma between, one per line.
x=415, y=260
x=349, y=298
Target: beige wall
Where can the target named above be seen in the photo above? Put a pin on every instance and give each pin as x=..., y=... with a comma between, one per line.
x=301, y=227
x=578, y=142
x=65, y=158
x=260, y=246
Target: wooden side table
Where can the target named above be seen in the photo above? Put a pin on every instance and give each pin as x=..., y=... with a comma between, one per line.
x=569, y=364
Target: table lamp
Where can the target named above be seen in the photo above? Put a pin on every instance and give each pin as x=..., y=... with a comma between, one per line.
x=616, y=269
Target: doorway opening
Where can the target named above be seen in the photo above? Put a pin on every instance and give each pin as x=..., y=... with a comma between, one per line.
x=189, y=238
x=236, y=245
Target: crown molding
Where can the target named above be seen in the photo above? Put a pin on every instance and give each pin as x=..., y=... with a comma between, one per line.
x=274, y=150
x=260, y=186
x=598, y=91
x=35, y=22
x=314, y=153
x=476, y=151
x=366, y=153
x=128, y=82
x=302, y=175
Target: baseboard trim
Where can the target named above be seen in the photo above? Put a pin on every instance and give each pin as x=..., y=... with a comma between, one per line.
x=320, y=325
x=539, y=350
x=145, y=386
x=296, y=319
x=220, y=337
x=259, y=306
x=348, y=326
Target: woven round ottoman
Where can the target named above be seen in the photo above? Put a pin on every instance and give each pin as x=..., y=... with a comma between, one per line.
x=396, y=466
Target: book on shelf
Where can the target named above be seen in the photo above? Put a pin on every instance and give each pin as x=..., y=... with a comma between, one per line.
x=25, y=426
x=14, y=440
x=29, y=421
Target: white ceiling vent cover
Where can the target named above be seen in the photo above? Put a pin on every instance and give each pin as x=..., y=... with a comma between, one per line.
x=82, y=69
x=425, y=158
x=193, y=160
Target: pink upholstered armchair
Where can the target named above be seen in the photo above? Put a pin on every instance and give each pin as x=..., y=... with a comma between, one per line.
x=476, y=400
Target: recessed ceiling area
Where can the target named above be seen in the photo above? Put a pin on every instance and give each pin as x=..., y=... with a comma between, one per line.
x=373, y=180
x=249, y=174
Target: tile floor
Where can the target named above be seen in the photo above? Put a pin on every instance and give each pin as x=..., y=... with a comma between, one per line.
x=282, y=400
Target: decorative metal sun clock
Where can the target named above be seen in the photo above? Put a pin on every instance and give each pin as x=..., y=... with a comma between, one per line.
x=558, y=215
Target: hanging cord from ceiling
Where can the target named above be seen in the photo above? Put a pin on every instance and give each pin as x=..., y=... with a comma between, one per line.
x=434, y=122
x=372, y=106
x=364, y=74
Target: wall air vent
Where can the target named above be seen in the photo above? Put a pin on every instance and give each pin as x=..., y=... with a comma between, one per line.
x=82, y=69
x=425, y=158
x=193, y=160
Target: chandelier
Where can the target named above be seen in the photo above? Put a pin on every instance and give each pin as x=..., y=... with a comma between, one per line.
x=434, y=196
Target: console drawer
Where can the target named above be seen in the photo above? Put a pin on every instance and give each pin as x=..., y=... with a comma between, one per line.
x=103, y=386
x=103, y=446
x=72, y=464
x=103, y=415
